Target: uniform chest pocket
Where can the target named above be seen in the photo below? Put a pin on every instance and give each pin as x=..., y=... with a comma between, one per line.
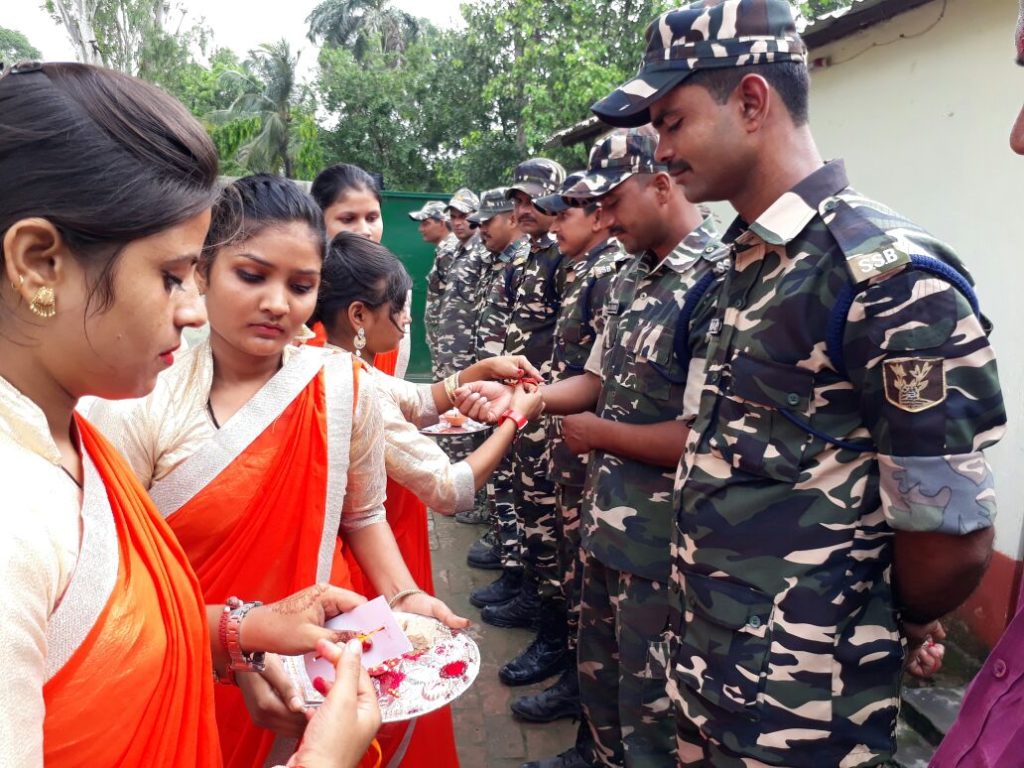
x=723, y=650
x=752, y=433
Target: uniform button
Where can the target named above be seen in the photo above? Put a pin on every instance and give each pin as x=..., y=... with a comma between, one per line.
x=643, y=296
x=793, y=398
x=755, y=621
x=830, y=205
x=714, y=376
x=999, y=669
x=710, y=249
x=739, y=303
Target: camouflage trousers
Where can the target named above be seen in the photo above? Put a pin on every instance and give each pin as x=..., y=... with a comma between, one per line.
x=567, y=532
x=504, y=524
x=535, y=508
x=623, y=659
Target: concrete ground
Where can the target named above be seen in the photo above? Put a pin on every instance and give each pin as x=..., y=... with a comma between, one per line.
x=485, y=731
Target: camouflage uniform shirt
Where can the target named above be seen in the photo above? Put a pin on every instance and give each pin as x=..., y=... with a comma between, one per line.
x=437, y=284
x=538, y=292
x=627, y=504
x=456, y=322
x=795, y=475
x=502, y=272
x=579, y=324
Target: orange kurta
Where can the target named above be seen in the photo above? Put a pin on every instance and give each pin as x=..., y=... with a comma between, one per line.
x=138, y=690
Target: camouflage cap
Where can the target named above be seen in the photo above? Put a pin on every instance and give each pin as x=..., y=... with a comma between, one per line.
x=464, y=201
x=492, y=202
x=435, y=209
x=552, y=204
x=703, y=35
x=537, y=177
x=614, y=159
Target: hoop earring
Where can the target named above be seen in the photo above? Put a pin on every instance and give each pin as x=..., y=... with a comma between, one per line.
x=44, y=303
x=359, y=342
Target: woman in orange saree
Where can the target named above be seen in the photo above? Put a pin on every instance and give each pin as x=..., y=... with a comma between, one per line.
x=106, y=645
x=258, y=453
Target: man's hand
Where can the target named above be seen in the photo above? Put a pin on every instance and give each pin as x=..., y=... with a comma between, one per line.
x=578, y=432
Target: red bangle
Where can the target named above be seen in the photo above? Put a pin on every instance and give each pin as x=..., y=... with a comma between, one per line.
x=517, y=418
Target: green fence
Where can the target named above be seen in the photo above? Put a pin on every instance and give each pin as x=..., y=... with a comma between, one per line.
x=402, y=236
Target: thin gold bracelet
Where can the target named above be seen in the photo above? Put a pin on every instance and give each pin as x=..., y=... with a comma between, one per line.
x=404, y=594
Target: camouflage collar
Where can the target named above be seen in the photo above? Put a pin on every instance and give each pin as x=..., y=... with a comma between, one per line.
x=513, y=249
x=700, y=242
x=582, y=265
x=790, y=214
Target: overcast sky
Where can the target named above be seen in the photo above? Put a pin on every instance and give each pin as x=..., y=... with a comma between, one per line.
x=237, y=24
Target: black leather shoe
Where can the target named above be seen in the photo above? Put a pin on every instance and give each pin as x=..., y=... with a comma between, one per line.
x=521, y=611
x=544, y=657
x=561, y=700
x=497, y=592
x=485, y=557
x=571, y=758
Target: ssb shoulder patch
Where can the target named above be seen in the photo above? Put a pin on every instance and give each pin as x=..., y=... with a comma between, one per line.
x=914, y=384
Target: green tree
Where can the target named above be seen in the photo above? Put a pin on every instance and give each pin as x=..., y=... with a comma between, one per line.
x=269, y=94
x=15, y=47
x=362, y=26
x=811, y=9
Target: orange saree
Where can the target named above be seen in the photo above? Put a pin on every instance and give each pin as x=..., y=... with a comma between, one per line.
x=138, y=690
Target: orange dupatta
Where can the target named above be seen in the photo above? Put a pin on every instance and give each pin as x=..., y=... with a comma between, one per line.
x=138, y=690
x=256, y=531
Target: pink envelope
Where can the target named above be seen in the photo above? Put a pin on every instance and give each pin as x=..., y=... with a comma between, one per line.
x=389, y=641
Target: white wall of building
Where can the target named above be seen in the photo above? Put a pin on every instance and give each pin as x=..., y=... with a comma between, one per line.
x=922, y=119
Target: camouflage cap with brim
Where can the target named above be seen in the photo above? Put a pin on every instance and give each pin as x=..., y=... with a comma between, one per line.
x=537, y=177
x=464, y=201
x=614, y=159
x=435, y=209
x=703, y=35
x=555, y=203
x=492, y=202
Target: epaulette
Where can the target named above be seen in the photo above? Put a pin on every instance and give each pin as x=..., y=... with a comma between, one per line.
x=869, y=250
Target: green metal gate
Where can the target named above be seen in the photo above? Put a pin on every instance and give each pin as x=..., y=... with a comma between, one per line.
x=402, y=237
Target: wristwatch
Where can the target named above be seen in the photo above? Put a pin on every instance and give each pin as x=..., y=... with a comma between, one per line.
x=230, y=639
x=517, y=418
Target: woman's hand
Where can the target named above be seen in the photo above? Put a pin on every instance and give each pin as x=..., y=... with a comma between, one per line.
x=499, y=368
x=425, y=605
x=340, y=731
x=295, y=624
x=483, y=401
x=528, y=401
x=273, y=700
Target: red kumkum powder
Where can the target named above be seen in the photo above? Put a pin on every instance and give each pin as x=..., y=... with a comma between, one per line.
x=454, y=669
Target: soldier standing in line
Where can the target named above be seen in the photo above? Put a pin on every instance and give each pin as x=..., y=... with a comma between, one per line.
x=507, y=250
x=452, y=343
x=635, y=378
x=592, y=260
x=834, y=484
x=531, y=333
x=435, y=230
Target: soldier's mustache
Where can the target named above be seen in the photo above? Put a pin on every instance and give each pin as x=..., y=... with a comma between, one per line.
x=679, y=166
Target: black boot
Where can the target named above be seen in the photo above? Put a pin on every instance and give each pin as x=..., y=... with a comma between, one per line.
x=501, y=591
x=521, y=611
x=561, y=700
x=484, y=553
x=571, y=758
x=547, y=655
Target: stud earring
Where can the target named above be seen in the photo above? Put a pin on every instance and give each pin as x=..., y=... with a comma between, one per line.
x=360, y=342
x=44, y=303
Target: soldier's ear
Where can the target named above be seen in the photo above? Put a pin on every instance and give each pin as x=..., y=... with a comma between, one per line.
x=753, y=100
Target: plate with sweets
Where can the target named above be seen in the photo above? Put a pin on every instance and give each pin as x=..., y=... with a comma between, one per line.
x=454, y=423
x=439, y=665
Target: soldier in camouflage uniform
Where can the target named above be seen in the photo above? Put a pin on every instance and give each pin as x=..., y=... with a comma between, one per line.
x=834, y=484
x=507, y=249
x=434, y=229
x=531, y=333
x=458, y=281
x=635, y=377
x=592, y=260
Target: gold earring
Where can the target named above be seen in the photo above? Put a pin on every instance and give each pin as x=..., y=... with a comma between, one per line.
x=44, y=303
x=360, y=342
